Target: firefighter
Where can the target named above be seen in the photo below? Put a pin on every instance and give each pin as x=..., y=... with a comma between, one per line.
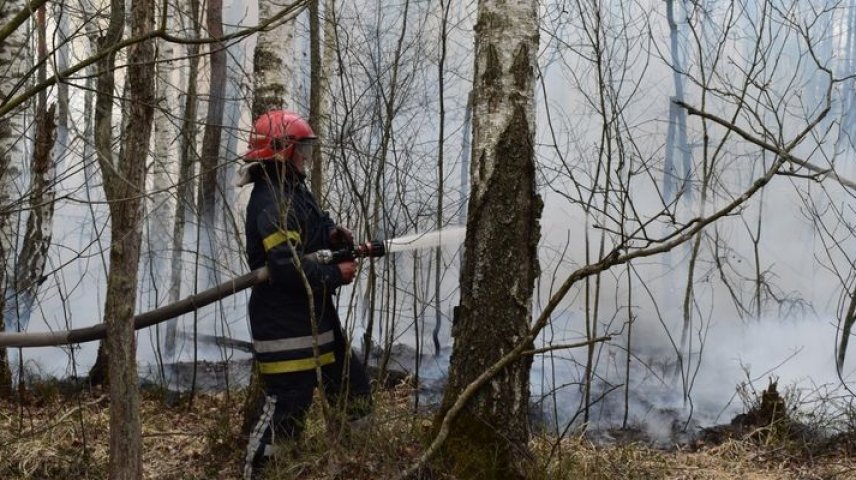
x=284, y=222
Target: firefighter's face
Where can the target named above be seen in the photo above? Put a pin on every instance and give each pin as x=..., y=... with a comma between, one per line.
x=301, y=156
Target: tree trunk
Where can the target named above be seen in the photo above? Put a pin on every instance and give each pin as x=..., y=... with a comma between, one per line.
x=489, y=438
x=124, y=184
x=31, y=262
x=441, y=136
x=37, y=238
x=13, y=63
x=273, y=63
x=160, y=205
x=210, y=151
x=676, y=178
x=184, y=193
x=104, y=136
x=322, y=114
x=315, y=75
x=466, y=149
x=213, y=120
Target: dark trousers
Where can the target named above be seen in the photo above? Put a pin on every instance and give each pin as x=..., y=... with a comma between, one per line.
x=288, y=397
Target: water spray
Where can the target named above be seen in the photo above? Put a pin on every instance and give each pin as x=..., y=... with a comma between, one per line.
x=436, y=238
x=379, y=248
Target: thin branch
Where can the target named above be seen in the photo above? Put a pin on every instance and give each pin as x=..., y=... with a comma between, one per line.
x=284, y=15
x=20, y=18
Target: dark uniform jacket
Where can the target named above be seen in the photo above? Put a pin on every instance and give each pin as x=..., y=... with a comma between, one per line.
x=284, y=220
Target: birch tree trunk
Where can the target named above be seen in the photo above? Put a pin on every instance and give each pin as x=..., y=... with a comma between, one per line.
x=14, y=63
x=163, y=175
x=322, y=116
x=466, y=149
x=489, y=438
x=161, y=203
x=273, y=63
x=29, y=268
x=187, y=154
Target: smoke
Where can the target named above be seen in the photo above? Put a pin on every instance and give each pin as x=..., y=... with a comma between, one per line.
x=664, y=402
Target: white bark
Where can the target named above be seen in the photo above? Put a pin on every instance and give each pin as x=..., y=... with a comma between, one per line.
x=496, y=295
x=37, y=239
x=328, y=63
x=274, y=63
x=489, y=121
x=63, y=49
x=50, y=148
x=162, y=180
x=14, y=62
x=187, y=148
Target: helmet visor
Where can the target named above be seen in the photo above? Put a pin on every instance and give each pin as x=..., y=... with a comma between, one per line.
x=304, y=149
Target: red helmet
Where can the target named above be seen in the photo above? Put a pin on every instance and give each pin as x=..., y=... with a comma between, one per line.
x=277, y=131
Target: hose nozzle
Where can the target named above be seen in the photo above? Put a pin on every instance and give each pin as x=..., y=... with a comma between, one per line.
x=372, y=249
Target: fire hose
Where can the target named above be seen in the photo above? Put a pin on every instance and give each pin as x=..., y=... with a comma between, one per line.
x=372, y=249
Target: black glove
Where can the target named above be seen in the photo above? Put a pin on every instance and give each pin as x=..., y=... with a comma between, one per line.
x=341, y=237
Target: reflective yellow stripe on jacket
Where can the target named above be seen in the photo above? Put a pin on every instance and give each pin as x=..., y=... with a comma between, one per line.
x=279, y=237
x=292, y=343
x=288, y=366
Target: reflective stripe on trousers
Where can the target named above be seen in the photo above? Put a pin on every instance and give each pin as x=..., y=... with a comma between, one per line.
x=255, y=450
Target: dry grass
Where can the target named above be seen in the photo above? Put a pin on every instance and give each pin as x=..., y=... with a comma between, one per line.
x=734, y=459
x=61, y=436
x=66, y=436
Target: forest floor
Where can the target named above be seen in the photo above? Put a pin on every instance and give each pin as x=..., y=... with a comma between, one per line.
x=52, y=434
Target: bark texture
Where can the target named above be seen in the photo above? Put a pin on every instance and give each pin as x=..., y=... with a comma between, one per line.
x=30, y=264
x=103, y=137
x=209, y=195
x=500, y=264
x=273, y=60
x=163, y=175
x=214, y=119
x=14, y=53
x=124, y=183
x=185, y=204
x=315, y=92
x=30, y=267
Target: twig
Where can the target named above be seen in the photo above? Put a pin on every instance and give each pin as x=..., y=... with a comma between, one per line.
x=36, y=431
